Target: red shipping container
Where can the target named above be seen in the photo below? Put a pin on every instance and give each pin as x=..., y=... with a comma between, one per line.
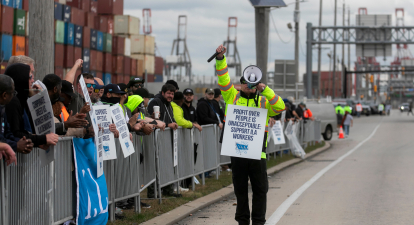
x=93, y=60
x=107, y=63
x=77, y=54
x=27, y=47
x=117, y=64
x=110, y=25
x=74, y=3
x=68, y=56
x=86, y=37
x=86, y=5
x=127, y=65
x=119, y=78
x=59, y=71
x=6, y=15
x=150, y=78
x=114, y=78
x=3, y=67
x=99, y=61
x=93, y=7
x=89, y=19
x=77, y=16
x=159, y=65
x=59, y=55
x=96, y=23
x=103, y=24
x=134, y=67
x=126, y=79
x=25, y=5
x=99, y=75
x=114, y=7
x=118, y=45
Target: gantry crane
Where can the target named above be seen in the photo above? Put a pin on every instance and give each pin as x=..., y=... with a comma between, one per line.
x=232, y=55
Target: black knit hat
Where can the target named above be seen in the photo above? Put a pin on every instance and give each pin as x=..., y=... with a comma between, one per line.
x=178, y=96
x=173, y=83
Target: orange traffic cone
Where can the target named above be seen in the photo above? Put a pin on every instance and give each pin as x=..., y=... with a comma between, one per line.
x=341, y=133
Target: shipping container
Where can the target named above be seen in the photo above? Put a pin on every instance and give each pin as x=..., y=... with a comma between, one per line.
x=68, y=56
x=58, y=11
x=149, y=45
x=94, y=37
x=94, y=7
x=115, y=7
x=63, y=2
x=93, y=73
x=99, y=61
x=107, y=62
x=99, y=40
x=78, y=36
x=9, y=3
x=27, y=24
x=86, y=5
x=25, y=5
x=99, y=75
x=110, y=24
x=59, y=71
x=3, y=67
x=134, y=65
x=90, y=19
x=59, y=31
x=19, y=44
x=158, y=78
x=140, y=67
x=77, y=54
x=78, y=16
x=149, y=78
x=159, y=65
x=75, y=3
x=127, y=47
x=148, y=62
x=18, y=4
x=19, y=27
x=118, y=45
x=107, y=46
x=26, y=51
x=103, y=24
x=66, y=13
x=117, y=64
x=127, y=65
x=137, y=44
x=59, y=55
x=93, y=60
x=86, y=60
x=124, y=24
x=7, y=13
x=69, y=34
x=114, y=79
x=86, y=37
x=97, y=22
x=107, y=79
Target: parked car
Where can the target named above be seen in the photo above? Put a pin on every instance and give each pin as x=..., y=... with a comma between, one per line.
x=404, y=107
x=326, y=113
x=373, y=106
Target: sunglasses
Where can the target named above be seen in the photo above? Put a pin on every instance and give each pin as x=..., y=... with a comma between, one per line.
x=138, y=85
x=91, y=85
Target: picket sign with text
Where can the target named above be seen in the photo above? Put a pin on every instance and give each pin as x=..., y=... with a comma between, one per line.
x=103, y=115
x=44, y=123
x=244, y=132
x=121, y=126
x=277, y=132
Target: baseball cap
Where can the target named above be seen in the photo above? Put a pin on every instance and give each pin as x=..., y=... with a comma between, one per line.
x=135, y=80
x=178, y=95
x=301, y=103
x=173, y=83
x=113, y=88
x=209, y=91
x=123, y=87
x=97, y=85
x=67, y=88
x=217, y=92
x=188, y=91
x=142, y=92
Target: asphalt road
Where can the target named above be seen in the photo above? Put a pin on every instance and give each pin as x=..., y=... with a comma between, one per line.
x=364, y=179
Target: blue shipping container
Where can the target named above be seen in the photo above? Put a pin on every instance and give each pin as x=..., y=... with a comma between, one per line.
x=158, y=78
x=58, y=11
x=86, y=60
x=99, y=44
x=78, y=36
x=107, y=78
x=66, y=13
x=6, y=46
x=94, y=37
x=93, y=73
x=17, y=4
x=9, y=3
x=69, y=33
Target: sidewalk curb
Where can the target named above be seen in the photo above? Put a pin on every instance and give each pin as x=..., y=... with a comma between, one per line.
x=185, y=210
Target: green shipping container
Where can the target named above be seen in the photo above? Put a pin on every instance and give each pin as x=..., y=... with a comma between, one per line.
x=19, y=25
x=108, y=43
x=59, y=31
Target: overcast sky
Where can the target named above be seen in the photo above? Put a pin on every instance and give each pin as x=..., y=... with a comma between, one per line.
x=207, y=27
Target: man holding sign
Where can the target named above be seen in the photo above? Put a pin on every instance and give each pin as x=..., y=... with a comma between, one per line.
x=246, y=121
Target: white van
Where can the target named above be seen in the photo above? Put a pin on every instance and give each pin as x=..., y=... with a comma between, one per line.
x=326, y=113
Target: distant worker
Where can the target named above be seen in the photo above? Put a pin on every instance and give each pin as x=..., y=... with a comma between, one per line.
x=358, y=109
x=347, y=122
x=339, y=114
x=388, y=108
x=410, y=109
x=307, y=114
x=381, y=108
x=348, y=108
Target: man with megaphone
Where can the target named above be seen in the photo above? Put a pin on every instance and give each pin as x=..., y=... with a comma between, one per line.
x=244, y=168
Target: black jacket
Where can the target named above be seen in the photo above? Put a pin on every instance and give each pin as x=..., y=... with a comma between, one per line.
x=6, y=136
x=189, y=112
x=218, y=110
x=205, y=112
x=166, y=110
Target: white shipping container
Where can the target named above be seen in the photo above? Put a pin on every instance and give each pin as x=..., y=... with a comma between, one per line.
x=62, y=2
x=149, y=45
x=149, y=62
x=137, y=44
x=124, y=24
x=127, y=47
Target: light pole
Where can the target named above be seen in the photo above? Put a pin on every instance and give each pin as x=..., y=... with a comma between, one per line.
x=330, y=58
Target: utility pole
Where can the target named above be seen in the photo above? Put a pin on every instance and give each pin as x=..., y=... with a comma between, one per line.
x=262, y=39
x=296, y=18
x=343, y=75
x=319, y=50
x=334, y=55
x=349, y=52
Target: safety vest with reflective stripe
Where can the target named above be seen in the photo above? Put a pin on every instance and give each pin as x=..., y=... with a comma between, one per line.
x=270, y=101
x=64, y=115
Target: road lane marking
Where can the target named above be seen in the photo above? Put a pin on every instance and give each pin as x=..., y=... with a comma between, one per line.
x=281, y=210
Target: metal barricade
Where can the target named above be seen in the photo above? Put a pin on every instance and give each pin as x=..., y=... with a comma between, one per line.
x=199, y=152
x=222, y=159
x=165, y=161
x=3, y=215
x=209, y=147
x=317, y=131
x=148, y=166
x=185, y=153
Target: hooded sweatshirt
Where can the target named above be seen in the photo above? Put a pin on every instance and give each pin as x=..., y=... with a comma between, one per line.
x=166, y=110
x=18, y=114
x=135, y=101
x=205, y=112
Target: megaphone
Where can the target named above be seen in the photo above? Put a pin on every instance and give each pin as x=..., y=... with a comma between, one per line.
x=252, y=75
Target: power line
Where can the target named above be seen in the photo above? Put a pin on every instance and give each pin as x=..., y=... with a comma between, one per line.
x=277, y=32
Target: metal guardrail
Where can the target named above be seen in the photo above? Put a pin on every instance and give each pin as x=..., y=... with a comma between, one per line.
x=31, y=194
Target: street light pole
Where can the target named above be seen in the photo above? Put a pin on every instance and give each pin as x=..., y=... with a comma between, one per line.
x=334, y=54
x=296, y=17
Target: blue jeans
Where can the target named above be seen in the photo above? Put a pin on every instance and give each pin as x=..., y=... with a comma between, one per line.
x=346, y=129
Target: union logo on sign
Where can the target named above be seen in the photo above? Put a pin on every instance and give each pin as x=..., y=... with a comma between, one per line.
x=242, y=147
